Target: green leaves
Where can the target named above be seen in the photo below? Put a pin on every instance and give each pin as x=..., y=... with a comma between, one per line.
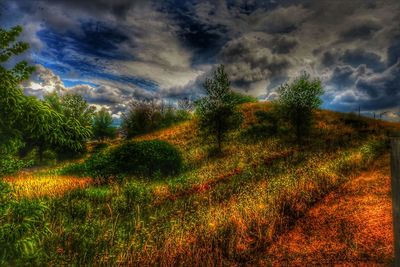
x=102, y=125
x=217, y=112
x=297, y=101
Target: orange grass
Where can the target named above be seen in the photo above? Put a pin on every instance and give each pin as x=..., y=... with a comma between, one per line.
x=47, y=185
x=351, y=226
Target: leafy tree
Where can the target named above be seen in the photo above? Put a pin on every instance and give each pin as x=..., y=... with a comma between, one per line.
x=102, y=125
x=72, y=106
x=27, y=117
x=217, y=112
x=297, y=102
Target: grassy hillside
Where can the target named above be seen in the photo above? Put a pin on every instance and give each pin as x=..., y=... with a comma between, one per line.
x=222, y=210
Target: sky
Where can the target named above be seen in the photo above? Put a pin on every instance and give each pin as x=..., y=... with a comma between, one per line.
x=114, y=51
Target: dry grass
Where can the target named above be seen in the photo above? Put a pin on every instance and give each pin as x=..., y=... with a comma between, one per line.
x=31, y=186
x=351, y=226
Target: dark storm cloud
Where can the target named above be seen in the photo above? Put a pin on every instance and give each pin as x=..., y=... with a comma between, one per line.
x=362, y=30
x=133, y=49
x=115, y=7
x=394, y=51
x=342, y=77
x=328, y=59
x=283, y=45
x=359, y=56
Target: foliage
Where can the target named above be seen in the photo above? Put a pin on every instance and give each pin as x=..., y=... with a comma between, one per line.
x=217, y=112
x=27, y=118
x=142, y=158
x=22, y=227
x=144, y=116
x=297, y=102
x=9, y=163
x=72, y=106
x=102, y=125
x=147, y=158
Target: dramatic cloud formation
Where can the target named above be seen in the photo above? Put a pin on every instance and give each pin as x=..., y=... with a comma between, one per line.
x=114, y=51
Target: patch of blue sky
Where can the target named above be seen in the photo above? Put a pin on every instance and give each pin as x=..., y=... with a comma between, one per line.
x=72, y=83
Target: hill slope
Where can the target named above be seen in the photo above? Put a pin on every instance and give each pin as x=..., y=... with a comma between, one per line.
x=221, y=210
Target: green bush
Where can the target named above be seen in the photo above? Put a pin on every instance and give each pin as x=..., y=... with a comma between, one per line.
x=11, y=164
x=147, y=158
x=144, y=158
x=22, y=229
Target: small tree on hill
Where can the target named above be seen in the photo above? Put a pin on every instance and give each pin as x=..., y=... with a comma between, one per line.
x=217, y=112
x=297, y=102
x=102, y=125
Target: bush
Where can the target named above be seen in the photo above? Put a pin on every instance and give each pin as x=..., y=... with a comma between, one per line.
x=10, y=165
x=147, y=158
x=144, y=158
x=22, y=228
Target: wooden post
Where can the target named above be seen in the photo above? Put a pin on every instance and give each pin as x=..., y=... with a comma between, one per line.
x=395, y=170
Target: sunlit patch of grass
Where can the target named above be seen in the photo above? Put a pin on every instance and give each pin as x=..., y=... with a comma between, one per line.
x=32, y=186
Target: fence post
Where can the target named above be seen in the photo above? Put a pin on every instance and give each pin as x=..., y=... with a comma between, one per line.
x=395, y=173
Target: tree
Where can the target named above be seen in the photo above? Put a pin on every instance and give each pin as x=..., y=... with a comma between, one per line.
x=102, y=125
x=75, y=126
x=24, y=117
x=217, y=112
x=297, y=102
x=72, y=106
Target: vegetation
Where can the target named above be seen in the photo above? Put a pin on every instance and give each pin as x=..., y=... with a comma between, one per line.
x=144, y=158
x=217, y=112
x=238, y=203
x=297, y=102
x=144, y=116
x=27, y=119
x=102, y=125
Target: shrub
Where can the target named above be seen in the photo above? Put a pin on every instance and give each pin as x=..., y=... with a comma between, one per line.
x=22, y=228
x=11, y=164
x=147, y=158
x=99, y=147
x=144, y=158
